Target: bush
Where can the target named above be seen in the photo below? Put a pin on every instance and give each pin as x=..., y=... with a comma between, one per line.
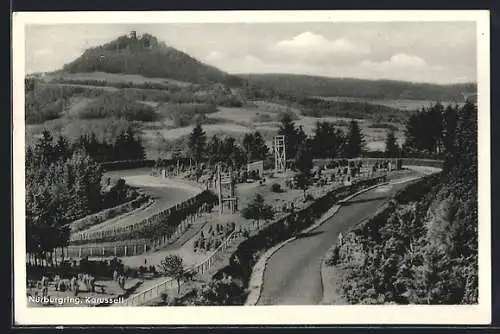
x=276, y=188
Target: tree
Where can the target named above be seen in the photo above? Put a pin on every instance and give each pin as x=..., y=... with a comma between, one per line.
x=355, y=141
x=255, y=147
x=197, y=143
x=257, y=210
x=223, y=291
x=287, y=129
x=391, y=145
x=304, y=164
x=173, y=266
x=327, y=141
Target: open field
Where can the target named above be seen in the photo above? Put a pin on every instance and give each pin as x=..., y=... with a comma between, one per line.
x=242, y=115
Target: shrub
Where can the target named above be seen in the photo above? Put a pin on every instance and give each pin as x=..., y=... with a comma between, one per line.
x=276, y=188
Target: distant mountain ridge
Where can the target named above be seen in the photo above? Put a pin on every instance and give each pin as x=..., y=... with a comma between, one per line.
x=308, y=85
x=145, y=55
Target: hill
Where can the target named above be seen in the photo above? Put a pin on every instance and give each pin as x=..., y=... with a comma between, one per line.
x=145, y=55
x=306, y=85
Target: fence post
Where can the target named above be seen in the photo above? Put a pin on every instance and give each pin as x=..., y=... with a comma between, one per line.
x=114, y=250
x=102, y=250
x=145, y=249
x=90, y=250
x=125, y=250
x=135, y=249
x=80, y=252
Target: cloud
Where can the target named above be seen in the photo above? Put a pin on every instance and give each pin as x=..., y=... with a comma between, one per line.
x=214, y=55
x=400, y=60
x=309, y=43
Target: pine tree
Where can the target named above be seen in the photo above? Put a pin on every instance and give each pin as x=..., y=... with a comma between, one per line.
x=327, y=141
x=214, y=149
x=391, y=146
x=197, y=143
x=355, y=141
x=304, y=164
x=255, y=147
x=287, y=129
x=257, y=210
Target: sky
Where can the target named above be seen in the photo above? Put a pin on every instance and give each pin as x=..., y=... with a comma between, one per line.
x=434, y=52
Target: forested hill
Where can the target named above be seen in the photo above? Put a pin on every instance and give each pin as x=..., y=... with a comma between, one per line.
x=145, y=55
x=300, y=85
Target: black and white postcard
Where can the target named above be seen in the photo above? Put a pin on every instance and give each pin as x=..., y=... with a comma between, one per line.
x=302, y=167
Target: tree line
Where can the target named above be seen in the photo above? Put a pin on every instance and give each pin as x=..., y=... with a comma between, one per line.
x=433, y=131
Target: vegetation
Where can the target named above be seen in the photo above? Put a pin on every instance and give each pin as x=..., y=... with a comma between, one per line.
x=392, y=149
x=293, y=135
x=61, y=186
x=255, y=147
x=306, y=85
x=197, y=143
x=127, y=146
x=422, y=249
x=304, y=164
x=186, y=114
x=316, y=107
x=220, y=291
x=45, y=102
x=276, y=188
x=148, y=57
x=328, y=141
x=355, y=142
x=119, y=105
x=173, y=266
x=258, y=210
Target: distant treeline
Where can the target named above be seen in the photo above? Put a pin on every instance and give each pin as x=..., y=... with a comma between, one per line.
x=305, y=85
x=358, y=110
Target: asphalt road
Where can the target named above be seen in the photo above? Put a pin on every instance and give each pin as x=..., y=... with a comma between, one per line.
x=293, y=274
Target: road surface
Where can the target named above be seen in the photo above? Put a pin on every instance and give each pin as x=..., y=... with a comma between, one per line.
x=166, y=192
x=293, y=274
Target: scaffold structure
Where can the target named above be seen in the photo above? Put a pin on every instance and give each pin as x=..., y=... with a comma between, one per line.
x=279, y=154
x=226, y=190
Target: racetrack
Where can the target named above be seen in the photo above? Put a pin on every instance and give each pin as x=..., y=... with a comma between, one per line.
x=293, y=274
x=165, y=192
